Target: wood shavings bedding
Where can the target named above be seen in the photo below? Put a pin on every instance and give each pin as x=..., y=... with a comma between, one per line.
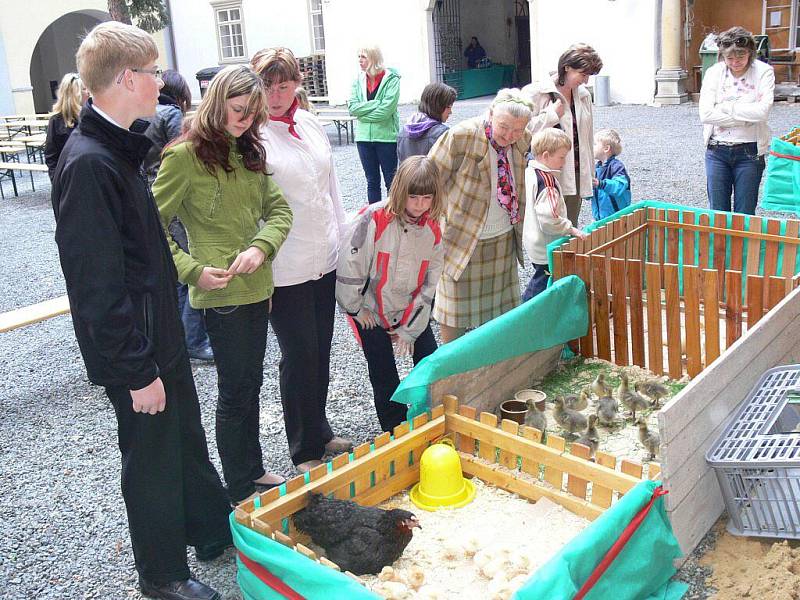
x=486, y=549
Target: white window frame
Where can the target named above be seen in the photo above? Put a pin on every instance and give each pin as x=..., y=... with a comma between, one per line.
x=227, y=5
x=311, y=13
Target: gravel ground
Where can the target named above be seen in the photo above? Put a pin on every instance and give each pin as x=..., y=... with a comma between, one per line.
x=63, y=529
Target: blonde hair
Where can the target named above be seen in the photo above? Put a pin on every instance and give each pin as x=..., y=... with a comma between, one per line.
x=610, y=138
x=68, y=104
x=374, y=58
x=550, y=140
x=109, y=49
x=302, y=99
x=417, y=175
x=511, y=101
x=276, y=65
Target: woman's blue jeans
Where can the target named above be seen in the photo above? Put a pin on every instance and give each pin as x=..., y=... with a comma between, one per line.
x=377, y=157
x=736, y=169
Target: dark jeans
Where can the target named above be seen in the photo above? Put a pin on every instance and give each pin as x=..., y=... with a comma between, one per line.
x=193, y=325
x=173, y=495
x=538, y=282
x=379, y=352
x=302, y=319
x=238, y=337
x=376, y=157
x=734, y=168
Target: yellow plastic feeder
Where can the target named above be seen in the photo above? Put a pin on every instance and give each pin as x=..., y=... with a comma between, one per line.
x=441, y=481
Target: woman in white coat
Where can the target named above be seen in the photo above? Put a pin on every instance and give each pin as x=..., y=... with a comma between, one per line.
x=299, y=160
x=564, y=102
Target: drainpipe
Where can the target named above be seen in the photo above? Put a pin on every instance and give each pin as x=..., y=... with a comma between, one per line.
x=170, y=40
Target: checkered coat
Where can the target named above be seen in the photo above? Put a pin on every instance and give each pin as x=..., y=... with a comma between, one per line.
x=462, y=155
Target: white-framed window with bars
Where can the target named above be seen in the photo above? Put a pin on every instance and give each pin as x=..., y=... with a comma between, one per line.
x=317, y=26
x=229, y=24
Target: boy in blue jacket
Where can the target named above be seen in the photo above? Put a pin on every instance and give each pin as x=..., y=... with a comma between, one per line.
x=612, y=185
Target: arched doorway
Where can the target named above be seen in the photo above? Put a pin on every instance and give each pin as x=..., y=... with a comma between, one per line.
x=54, y=53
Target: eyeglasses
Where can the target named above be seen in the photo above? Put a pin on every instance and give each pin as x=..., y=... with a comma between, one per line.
x=740, y=42
x=156, y=72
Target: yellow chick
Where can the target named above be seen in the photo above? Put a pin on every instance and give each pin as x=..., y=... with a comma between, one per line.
x=387, y=574
x=452, y=550
x=471, y=545
x=392, y=590
x=495, y=567
x=415, y=577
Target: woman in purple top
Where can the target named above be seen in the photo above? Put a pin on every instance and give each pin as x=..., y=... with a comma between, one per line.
x=423, y=128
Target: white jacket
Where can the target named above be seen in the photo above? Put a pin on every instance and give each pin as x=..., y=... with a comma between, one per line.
x=391, y=268
x=303, y=169
x=545, y=214
x=544, y=115
x=713, y=111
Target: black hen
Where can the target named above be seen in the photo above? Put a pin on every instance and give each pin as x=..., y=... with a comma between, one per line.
x=360, y=539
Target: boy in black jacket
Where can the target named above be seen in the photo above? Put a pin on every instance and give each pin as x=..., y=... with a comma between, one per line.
x=121, y=285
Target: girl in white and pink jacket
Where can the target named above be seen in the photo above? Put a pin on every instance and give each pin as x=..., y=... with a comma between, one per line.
x=389, y=265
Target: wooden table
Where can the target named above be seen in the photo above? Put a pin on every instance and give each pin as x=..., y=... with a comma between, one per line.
x=341, y=119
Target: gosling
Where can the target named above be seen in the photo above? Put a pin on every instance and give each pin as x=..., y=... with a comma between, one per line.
x=607, y=411
x=590, y=438
x=649, y=439
x=653, y=389
x=535, y=417
x=600, y=387
x=579, y=402
x=631, y=400
x=568, y=419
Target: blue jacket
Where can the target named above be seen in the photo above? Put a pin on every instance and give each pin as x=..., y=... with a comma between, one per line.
x=614, y=191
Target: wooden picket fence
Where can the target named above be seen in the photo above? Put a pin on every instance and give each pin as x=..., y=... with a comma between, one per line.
x=670, y=290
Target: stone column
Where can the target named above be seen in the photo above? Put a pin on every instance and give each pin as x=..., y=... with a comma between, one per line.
x=671, y=77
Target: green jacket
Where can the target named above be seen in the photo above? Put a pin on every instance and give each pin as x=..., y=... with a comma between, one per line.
x=378, y=119
x=222, y=215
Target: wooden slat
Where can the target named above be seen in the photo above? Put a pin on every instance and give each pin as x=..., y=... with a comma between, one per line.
x=636, y=312
x=753, y=246
x=465, y=443
x=575, y=485
x=618, y=295
x=618, y=229
x=601, y=495
x=711, y=314
x=531, y=466
x=673, y=311
x=733, y=307
x=655, y=356
x=790, y=250
x=361, y=483
x=553, y=475
x=777, y=290
x=652, y=237
x=771, y=251
x=509, y=459
x=688, y=217
x=584, y=270
x=755, y=300
x=630, y=244
x=672, y=237
x=691, y=302
x=661, y=252
x=568, y=264
x=720, y=243
x=485, y=450
x=558, y=264
x=600, y=307
x=632, y=468
x=703, y=244
x=382, y=470
x=737, y=243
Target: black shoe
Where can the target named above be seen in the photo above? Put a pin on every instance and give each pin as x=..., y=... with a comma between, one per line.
x=187, y=589
x=205, y=354
x=207, y=552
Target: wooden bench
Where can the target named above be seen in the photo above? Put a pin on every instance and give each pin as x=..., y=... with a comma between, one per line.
x=341, y=119
x=20, y=317
x=7, y=172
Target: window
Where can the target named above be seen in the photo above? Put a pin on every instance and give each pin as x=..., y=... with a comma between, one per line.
x=230, y=31
x=317, y=28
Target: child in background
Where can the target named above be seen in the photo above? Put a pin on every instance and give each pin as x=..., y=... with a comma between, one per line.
x=612, y=185
x=545, y=211
x=389, y=265
x=302, y=99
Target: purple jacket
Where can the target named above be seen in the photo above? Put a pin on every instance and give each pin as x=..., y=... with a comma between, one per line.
x=418, y=135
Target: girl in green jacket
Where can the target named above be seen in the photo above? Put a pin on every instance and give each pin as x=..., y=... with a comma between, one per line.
x=213, y=178
x=373, y=100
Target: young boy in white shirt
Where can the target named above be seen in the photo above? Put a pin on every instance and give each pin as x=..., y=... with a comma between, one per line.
x=546, y=212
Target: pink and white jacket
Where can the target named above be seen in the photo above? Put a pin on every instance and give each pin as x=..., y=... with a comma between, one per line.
x=391, y=268
x=546, y=212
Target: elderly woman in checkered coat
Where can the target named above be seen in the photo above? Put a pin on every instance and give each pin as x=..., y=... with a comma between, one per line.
x=482, y=161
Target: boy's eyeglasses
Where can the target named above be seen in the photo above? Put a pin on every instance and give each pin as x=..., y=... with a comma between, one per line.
x=740, y=42
x=156, y=72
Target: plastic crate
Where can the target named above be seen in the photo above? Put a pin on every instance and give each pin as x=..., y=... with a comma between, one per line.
x=757, y=458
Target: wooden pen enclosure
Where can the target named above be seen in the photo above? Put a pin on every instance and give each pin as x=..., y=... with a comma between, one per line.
x=671, y=289
x=505, y=455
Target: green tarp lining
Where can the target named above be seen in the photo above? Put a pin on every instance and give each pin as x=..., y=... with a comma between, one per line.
x=782, y=187
x=641, y=571
x=554, y=317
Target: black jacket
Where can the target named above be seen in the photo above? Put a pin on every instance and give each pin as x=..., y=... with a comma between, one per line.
x=165, y=126
x=118, y=268
x=57, y=136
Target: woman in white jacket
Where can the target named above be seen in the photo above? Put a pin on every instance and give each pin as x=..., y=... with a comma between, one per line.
x=564, y=102
x=304, y=270
x=735, y=101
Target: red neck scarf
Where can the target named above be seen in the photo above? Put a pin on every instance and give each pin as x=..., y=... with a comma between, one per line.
x=288, y=118
x=374, y=82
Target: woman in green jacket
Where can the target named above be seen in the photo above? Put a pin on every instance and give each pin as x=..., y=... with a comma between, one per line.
x=213, y=178
x=373, y=100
